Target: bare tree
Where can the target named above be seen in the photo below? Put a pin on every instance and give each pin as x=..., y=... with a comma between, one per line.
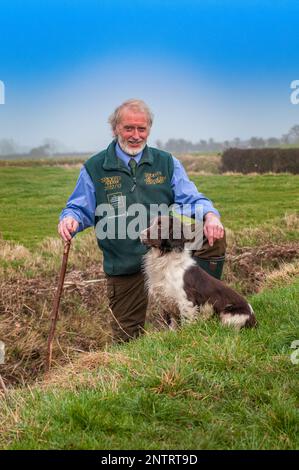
x=294, y=134
x=256, y=142
x=8, y=147
x=273, y=142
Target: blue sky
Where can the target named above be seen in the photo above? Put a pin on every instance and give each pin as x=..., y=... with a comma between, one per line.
x=207, y=68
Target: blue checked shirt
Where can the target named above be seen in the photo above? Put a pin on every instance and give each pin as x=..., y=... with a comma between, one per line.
x=82, y=202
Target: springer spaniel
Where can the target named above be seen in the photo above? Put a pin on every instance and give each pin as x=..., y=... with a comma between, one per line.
x=183, y=289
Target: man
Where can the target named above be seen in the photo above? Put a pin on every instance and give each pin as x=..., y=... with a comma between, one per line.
x=128, y=167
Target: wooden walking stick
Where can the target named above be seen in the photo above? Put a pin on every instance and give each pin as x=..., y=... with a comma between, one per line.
x=3, y=386
x=56, y=305
x=2, y=361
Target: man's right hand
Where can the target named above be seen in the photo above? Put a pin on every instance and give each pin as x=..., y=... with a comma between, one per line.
x=66, y=227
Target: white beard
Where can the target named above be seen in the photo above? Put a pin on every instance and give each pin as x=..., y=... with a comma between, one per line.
x=129, y=150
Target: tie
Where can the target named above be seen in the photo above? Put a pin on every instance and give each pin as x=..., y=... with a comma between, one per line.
x=133, y=165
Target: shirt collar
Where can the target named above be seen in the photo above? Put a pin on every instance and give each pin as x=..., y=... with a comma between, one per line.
x=125, y=157
x=113, y=162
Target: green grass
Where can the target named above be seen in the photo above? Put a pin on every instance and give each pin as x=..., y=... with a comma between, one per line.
x=205, y=387
x=249, y=201
x=31, y=199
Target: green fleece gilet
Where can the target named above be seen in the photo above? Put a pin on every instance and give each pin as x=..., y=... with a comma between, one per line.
x=114, y=185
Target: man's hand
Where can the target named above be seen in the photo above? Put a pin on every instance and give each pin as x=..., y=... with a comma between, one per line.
x=66, y=227
x=213, y=228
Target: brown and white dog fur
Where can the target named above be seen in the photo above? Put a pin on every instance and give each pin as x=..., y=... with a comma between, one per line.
x=182, y=288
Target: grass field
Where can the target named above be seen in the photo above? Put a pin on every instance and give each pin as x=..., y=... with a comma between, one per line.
x=203, y=387
x=31, y=200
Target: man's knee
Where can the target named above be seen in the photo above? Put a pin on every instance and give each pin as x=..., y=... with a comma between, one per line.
x=207, y=251
x=211, y=258
x=128, y=304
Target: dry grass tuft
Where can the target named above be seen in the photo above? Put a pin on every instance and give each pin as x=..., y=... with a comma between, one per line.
x=206, y=311
x=248, y=267
x=291, y=221
x=201, y=164
x=51, y=245
x=170, y=380
x=286, y=274
x=257, y=236
x=11, y=252
x=81, y=371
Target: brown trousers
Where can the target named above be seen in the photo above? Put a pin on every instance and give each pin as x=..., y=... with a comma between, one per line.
x=128, y=298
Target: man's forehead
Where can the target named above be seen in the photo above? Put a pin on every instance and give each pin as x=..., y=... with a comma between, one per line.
x=133, y=117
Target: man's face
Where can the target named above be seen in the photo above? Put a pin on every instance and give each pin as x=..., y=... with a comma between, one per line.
x=132, y=131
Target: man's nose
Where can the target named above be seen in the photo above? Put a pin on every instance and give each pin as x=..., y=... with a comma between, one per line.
x=136, y=133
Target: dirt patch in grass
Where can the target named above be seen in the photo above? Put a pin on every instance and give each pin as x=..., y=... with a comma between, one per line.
x=25, y=312
x=249, y=267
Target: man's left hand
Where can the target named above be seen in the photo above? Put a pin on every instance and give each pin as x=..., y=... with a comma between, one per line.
x=212, y=228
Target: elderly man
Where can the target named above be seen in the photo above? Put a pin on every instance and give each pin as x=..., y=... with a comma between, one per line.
x=145, y=175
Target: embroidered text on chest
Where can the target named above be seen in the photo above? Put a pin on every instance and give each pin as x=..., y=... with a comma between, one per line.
x=154, y=178
x=111, y=182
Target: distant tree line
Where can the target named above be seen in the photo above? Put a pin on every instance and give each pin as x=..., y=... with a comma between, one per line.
x=53, y=147
x=47, y=148
x=210, y=145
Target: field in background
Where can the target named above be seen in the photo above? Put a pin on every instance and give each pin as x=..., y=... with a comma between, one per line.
x=204, y=387
x=32, y=198
x=208, y=163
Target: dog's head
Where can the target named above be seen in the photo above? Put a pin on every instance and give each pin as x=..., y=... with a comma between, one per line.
x=167, y=233
x=241, y=315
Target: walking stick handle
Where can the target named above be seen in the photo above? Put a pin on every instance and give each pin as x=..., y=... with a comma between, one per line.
x=2, y=385
x=56, y=303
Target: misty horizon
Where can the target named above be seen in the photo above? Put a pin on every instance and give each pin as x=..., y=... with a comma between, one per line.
x=51, y=146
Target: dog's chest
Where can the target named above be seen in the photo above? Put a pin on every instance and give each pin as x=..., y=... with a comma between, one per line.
x=165, y=274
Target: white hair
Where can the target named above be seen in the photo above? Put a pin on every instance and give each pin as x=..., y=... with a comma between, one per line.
x=133, y=104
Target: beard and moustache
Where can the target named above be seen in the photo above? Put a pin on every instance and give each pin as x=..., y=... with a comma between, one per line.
x=129, y=150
